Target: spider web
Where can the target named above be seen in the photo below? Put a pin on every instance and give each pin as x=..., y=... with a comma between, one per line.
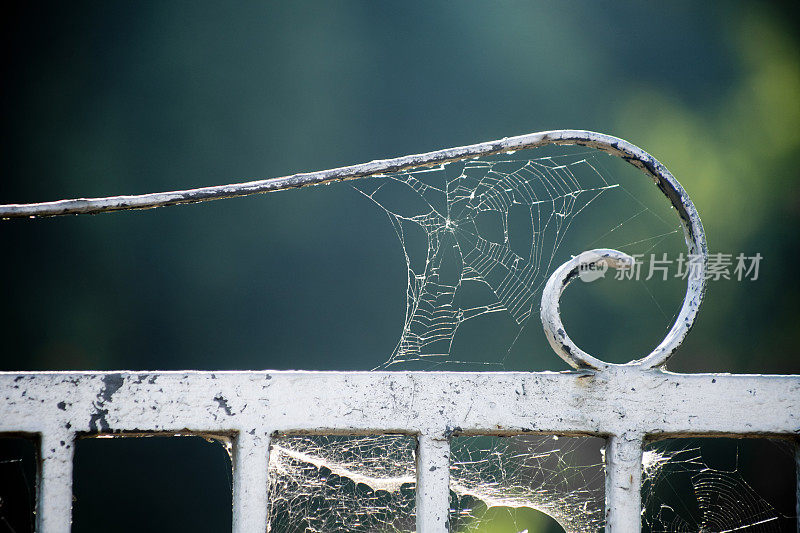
x=559, y=477
x=342, y=484
x=471, y=263
x=501, y=484
x=713, y=500
x=368, y=483
x=480, y=238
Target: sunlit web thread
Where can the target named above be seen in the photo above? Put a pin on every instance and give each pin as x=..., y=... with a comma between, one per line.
x=458, y=252
x=342, y=484
x=543, y=473
x=722, y=502
x=367, y=483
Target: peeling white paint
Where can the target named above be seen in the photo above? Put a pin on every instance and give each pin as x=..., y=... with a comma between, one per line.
x=619, y=401
x=624, y=403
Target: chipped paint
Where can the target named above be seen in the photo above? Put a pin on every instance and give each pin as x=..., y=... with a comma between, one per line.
x=431, y=405
x=607, y=143
x=626, y=404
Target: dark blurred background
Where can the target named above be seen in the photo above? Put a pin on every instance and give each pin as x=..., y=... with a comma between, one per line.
x=106, y=99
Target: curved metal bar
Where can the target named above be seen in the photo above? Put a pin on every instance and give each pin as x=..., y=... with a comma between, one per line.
x=690, y=220
x=695, y=290
x=606, y=143
x=551, y=295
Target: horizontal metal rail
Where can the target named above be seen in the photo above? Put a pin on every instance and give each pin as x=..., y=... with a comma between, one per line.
x=623, y=404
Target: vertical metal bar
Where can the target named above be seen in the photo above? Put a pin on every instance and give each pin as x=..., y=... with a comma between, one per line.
x=54, y=494
x=433, y=484
x=250, y=463
x=624, y=484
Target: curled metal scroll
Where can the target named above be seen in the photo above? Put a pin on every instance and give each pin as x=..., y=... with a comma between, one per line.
x=698, y=251
x=690, y=220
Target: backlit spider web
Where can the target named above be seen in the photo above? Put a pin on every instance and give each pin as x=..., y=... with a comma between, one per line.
x=524, y=483
x=682, y=493
x=489, y=230
x=480, y=237
x=338, y=484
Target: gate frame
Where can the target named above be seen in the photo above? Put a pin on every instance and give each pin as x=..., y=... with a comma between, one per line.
x=626, y=404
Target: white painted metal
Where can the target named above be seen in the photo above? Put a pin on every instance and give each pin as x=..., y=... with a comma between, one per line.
x=618, y=401
x=554, y=329
x=624, y=403
x=607, y=143
x=54, y=480
x=666, y=182
x=561, y=342
x=250, y=486
x=624, y=482
x=433, y=482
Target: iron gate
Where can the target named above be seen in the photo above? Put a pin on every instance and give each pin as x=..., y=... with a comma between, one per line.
x=626, y=404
